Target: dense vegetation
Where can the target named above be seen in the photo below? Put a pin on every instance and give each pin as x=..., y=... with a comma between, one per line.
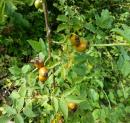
x=65, y=61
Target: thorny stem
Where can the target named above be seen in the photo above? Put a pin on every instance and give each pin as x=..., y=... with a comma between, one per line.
x=48, y=34
x=48, y=30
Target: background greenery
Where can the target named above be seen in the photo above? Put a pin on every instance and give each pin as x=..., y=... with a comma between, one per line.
x=98, y=80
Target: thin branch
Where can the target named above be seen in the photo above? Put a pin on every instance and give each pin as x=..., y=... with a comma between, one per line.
x=123, y=90
x=107, y=99
x=48, y=34
x=113, y=44
x=54, y=83
x=48, y=30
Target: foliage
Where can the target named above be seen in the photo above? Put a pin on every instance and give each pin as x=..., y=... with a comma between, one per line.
x=96, y=80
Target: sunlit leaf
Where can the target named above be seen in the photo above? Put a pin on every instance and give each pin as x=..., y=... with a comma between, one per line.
x=14, y=95
x=28, y=110
x=44, y=47
x=22, y=90
x=64, y=108
x=74, y=99
x=18, y=119
x=93, y=95
x=15, y=70
x=4, y=119
x=68, y=92
x=19, y=104
x=9, y=110
x=26, y=68
x=56, y=106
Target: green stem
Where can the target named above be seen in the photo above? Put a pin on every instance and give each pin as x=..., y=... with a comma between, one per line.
x=123, y=90
x=113, y=44
x=107, y=99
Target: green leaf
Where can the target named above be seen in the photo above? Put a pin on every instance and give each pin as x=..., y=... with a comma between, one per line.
x=76, y=23
x=14, y=95
x=80, y=69
x=74, y=77
x=62, y=18
x=18, y=119
x=96, y=114
x=10, y=8
x=44, y=99
x=44, y=47
x=105, y=21
x=74, y=99
x=17, y=18
x=4, y=119
x=93, y=95
x=28, y=111
x=48, y=107
x=22, y=90
x=31, y=79
x=62, y=27
x=120, y=62
x=35, y=45
x=2, y=10
x=125, y=69
x=53, y=64
x=87, y=118
x=26, y=68
x=19, y=104
x=112, y=97
x=9, y=110
x=125, y=32
x=15, y=70
x=127, y=109
x=124, y=63
x=80, y=58
x=85, y=105
x=29, y=2
x=68, y=92
x=42, y=55
x=64, y=108
x=56, y=106
x=63, y=73
x=124, y=53
x=99, y=82
x=100, y=114
x=62, y=2
x=90, y=27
